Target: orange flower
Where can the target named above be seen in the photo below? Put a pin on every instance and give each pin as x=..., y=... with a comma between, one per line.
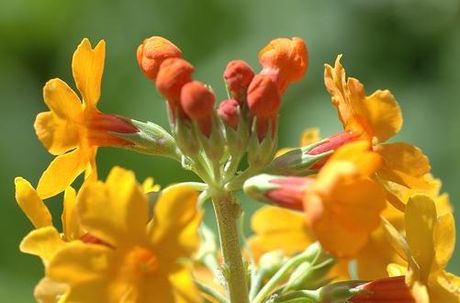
x=73, y=129
x=376, y=118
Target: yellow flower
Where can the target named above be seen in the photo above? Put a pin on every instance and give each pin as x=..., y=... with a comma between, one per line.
x=377, y=118
x=428, y=245
x=143, y=259
x=72, y=130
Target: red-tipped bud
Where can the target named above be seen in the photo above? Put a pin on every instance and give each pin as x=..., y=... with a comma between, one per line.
x=238, y=75
x=392, y=289
x=286, y=60
x=264, y=98
x=229, y=112
x=152, y=52
x=173, y=75
x=197, y=102
x=102, y=129
x=332, y=143
x=287, y=192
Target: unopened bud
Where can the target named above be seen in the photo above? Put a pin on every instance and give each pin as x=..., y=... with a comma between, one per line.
x=174, y=73
x=392, y=289
x=238, y=75
x=152, y=52
x=271, y=261
x=229, y=113
x=197, y=102
x=285, y=60
x=264, y=98
x=282, y=191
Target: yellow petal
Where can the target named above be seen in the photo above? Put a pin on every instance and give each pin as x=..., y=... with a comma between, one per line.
x=61, y=172
x=115, y=212
x=420, y=225
x=44, y=242
x=70, y=224
x=276, y=228
x=183, y=287
x=85, y=268
x=310, y=136
x=445, y=289
x=49, y=291
x=175, y=222
x=444, y=240
x=383, y=114
x=87, y=69
x=57, y=135
x=62, y=100
x=359, y=154
x=31, y=204
x=405, y=164
x=395, y=270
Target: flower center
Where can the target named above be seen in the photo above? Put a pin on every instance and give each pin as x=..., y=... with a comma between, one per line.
x=141, y=261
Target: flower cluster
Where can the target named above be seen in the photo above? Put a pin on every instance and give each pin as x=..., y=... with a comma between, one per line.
x=353, y=218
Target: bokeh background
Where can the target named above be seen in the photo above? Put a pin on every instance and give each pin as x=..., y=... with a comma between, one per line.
x=409, y=46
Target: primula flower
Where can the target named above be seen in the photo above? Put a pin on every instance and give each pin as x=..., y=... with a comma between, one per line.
x=377, y=118
x=73, y=129
x=143, y=260
x=428, y=245
x=342, y=204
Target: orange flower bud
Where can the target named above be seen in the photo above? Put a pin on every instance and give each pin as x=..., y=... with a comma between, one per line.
x=197, y=102
x=174, y=73
x=332, y=143
x=152, y=52
x=229, y=113
x=264, y=99
x=238, y=75
x=286, y=60
x=290, y=193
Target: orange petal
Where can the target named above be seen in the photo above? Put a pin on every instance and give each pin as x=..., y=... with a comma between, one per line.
x=61, y=172
x=87, y=69
x=57, y=135
x=383, y=114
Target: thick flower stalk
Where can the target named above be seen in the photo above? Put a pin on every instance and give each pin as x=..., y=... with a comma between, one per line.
x=348, y=201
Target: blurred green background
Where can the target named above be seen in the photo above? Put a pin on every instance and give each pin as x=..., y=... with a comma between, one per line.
x=410, y=46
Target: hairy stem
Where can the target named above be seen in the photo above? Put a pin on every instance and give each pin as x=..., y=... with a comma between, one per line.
x=227, y=213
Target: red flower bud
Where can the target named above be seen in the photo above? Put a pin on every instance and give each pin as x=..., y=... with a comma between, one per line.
x=286, y=60
x=290, y=194
x=197, y=102
x=152, y=52
x=229, y=112
x=392, y=289
x=238, y=75
x=264, y=99
x=174, y=73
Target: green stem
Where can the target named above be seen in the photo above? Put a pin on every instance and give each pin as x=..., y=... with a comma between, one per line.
x=227, y=213
x=211, y=292
x=280, y=276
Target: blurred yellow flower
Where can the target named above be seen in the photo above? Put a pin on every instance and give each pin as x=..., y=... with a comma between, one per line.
x=73, y=129
x=428, y=245
x=142, y=260
x=376, y=118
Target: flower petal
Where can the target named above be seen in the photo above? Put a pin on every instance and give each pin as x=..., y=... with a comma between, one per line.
x=444, y=240
x=56, y=134
x=114, y=211
x=70, y=224
x=383, y=114
x=420, y=226
x=405, y=164
x=61, y=172
x=62, y=100
x=85, y=268
x=44, y=242
x=183, y=287
x=49, y=291
x=31, y=204
x=87, y=69
x=310, y=136
x=278, y=228
x=175, y=222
